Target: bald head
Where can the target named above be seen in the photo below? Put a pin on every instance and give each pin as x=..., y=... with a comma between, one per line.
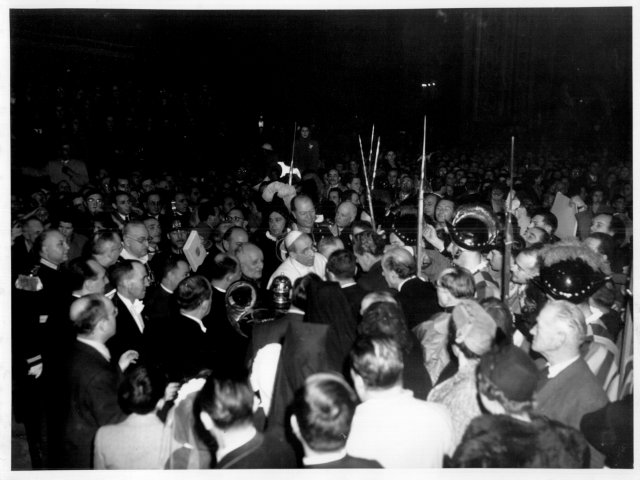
x=251, y=260
x=399, y=260
x=345, y=214
x=52, y=246
x=397, y=265
x=93, y=316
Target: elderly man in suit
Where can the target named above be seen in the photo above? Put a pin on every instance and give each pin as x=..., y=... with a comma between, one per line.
x=33, y=304
x=418, y=299
x=93, y=379
x=567, y=390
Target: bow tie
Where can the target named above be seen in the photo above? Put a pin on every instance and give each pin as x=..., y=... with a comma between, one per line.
x=138, y=306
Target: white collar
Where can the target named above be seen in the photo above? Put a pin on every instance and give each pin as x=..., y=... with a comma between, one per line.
x=100, y=347
x=197, y=320
x=595, y=315
x=271, y=237
x=238, y=441
x=219, y=289
x=130, y=256
x=555, y=370
x=49, y=264
x=350, y=284
x=405, y=281
x=134, y=313
x=298, y=266
x=166, y=289
x=318, y=458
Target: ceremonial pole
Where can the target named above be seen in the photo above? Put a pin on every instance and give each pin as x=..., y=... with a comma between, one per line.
x=293, y=149
x=366, y=180
x=508, y=234
x=361, y=151
x=368, y=170
x=375, y=166
x=421, y=202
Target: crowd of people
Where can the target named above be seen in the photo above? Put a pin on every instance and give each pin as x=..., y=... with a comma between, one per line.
x=322, y=329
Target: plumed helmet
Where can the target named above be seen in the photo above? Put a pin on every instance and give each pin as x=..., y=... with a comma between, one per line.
x=281, y=290
x=573, y=280
x=405, y=228
x=473, y=227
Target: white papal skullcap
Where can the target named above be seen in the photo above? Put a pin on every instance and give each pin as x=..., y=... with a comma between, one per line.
x=291, y=237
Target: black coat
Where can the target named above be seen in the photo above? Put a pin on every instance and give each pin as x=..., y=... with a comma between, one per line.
x=272, y=332
x=419, y=301
x=92, y=401
x=373, y=281
x=187, y=351
x=128, y=336
x=355, y=294
x=229, y=346
x=348, y=462
x=262, y=451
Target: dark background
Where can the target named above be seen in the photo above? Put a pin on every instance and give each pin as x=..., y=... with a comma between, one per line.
x=546, y=75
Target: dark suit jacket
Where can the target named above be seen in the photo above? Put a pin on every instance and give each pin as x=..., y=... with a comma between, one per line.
x=158, y=305
x=348, y=462
x=21, y=258
x=30, y=313
x=570, y=395
x=159, y=308
x=373, y=281
x=303, y=353
x=92, y=401
x=355, y=294
x=60, y=336
x=272, y=332
x=262, y=451
x=419, y=301
x=128, y=336
x=229, y=346
x=187, y=351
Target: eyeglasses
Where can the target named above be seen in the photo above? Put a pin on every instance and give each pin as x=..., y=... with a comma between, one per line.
x=94, y=200
x=139, y=240
x=235, y=219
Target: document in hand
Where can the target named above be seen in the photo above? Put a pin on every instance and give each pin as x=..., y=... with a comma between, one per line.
x=194, y=250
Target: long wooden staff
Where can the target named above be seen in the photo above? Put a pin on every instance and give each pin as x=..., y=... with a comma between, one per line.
x=368, y=170
x=421, y=203
x=366, y=181
x=293, y=149
x=375, y=166
x=508, y=235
